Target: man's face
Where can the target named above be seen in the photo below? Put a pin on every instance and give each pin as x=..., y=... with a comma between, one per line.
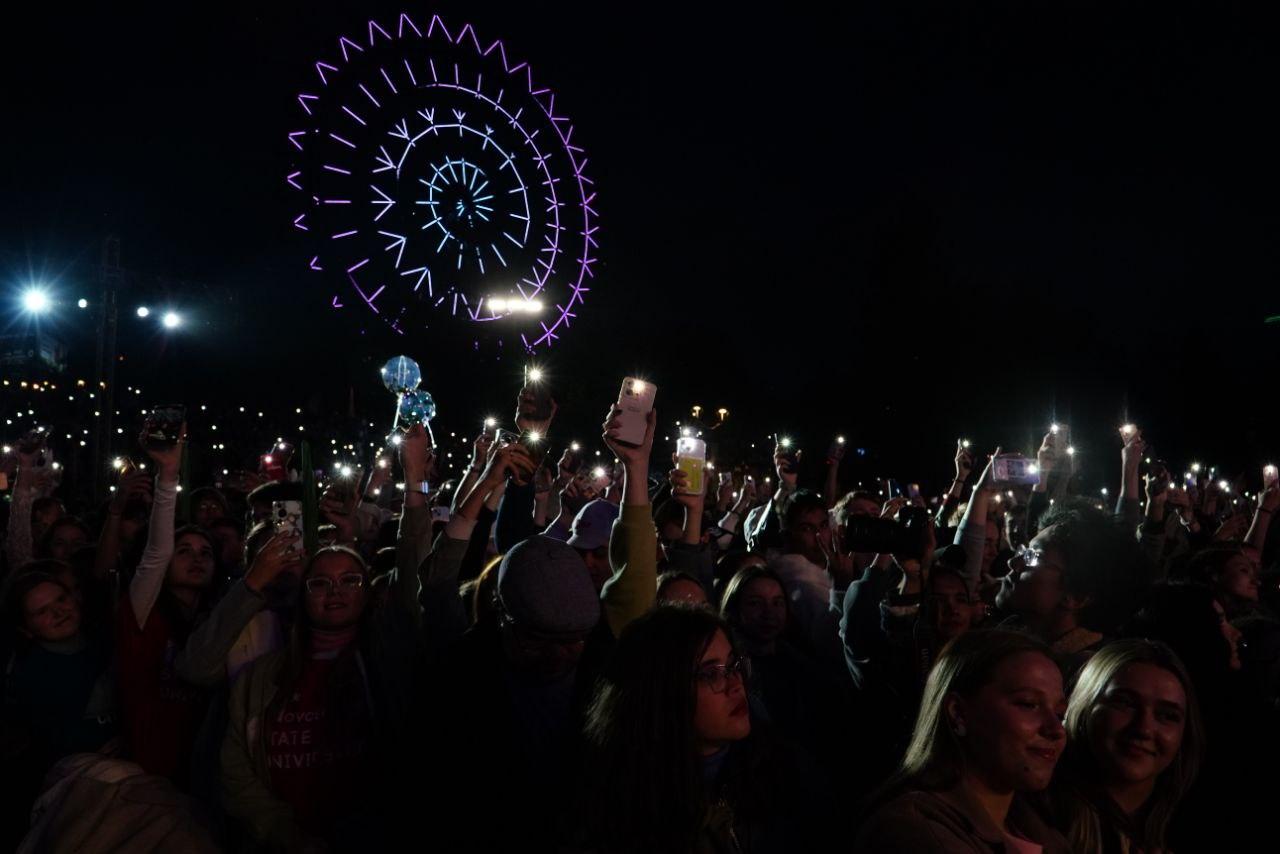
x=804, y=533
x=1036, y=592
x=65, y=541
x=206, y=511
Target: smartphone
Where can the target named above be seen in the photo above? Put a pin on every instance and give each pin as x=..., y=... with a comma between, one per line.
x=573, y=461
x=726, y=478
x=1270, y=476
x=787, y=451
x=691, y=458
x=163, y=427
x=913, y=492
x=286, y=517
x=894, y=488
x=636, y=402
x=535, y=443
x=1015, y=470
x=271, y=466
x=535, y=396
x=836, y=451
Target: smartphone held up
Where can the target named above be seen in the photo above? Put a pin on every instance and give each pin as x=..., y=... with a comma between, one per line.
x=635, y=401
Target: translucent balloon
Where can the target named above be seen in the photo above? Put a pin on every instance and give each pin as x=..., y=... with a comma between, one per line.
x=416, y=407
x=401, y=374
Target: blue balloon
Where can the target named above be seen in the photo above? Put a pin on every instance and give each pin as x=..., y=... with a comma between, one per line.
x=416, y=407
x=401, y=374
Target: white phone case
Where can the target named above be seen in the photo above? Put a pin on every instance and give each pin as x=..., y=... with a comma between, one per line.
x=635, y=400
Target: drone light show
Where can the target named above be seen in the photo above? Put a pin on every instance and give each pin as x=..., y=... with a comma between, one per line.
x=439, y=186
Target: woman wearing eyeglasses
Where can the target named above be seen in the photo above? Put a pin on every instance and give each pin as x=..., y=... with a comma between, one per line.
x=300, y=761
x=673, y=763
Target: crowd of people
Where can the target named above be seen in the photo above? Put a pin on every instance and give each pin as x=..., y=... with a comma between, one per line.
x=548, y=655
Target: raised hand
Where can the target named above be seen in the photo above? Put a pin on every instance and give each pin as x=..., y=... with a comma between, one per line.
x=624, y=452
x=168, y=458
x=509, y=461
x=280, y=554
x=136, y=484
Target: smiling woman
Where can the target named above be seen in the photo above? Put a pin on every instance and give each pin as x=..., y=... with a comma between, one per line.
x=989, y=732
x=1134, y=747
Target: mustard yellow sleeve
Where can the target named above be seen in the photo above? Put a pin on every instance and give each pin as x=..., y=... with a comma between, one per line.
x=633, y=553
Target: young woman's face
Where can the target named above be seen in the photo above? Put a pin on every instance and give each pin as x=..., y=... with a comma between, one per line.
x=720, y=716
x=1012, y=726
x=1136, y=726
x=192, y=562
x=336, y=592
x=1231, y=633
x=1238, y=581
x=65, y=541
x=50, y=613
x=762, y=610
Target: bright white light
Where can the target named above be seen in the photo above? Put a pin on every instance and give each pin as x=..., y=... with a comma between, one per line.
x=1195, y=467
x=1033, y=469
x=82, y=303
x=598, y=471
x=785, y=442
x=535, y=375
x=535, y=436
x=35, y=300
x=382, y=463
x=1054, y=428
x=171, y=320
x=267, y=459
x=346, y=471
x=143, y=311
x=1071, y=450
x=638, y=387
x=575, y=447
x=1224, y=486
x=840, y=440
x=1128, y=430
x=491, y=422
x=396, y=440
x=1104, y=492
x=964, y=443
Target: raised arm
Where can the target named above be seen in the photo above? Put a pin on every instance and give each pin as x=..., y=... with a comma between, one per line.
x=972, y=532
x=633, y=544
x=144, y=588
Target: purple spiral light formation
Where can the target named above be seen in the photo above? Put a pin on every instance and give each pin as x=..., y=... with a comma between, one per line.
x=438, y=183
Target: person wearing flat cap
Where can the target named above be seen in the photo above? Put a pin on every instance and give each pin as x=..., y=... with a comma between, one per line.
x=507, y=703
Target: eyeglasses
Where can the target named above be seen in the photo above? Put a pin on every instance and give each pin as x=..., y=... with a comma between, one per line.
x=322, y=585
x=716, y=676
x=1031, y=558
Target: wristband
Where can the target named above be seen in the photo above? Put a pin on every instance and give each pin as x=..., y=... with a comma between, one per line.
x=421, y=486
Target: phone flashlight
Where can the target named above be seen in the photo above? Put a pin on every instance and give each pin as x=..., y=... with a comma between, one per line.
x=1270, y=472
x=491, y=422
x=1195, y=467
x=1224, y=486
x=785, y=442
x=535, y=436
x=1053, y=428
x=267, y=459
x=534, y=375
x=575, y=447
x=840, y=439
x=1071, y=450
x=1128, y=430
x=964, y=443
x=382, y=462
x=598, y=471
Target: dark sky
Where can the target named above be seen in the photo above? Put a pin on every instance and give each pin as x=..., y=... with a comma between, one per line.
x=904, y=221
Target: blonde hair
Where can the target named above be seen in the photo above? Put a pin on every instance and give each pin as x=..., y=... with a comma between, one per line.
x=1079, y=798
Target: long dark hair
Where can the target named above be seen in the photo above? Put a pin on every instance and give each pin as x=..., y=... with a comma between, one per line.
x=350, y=685
x=645, y=784
x=1082, y=805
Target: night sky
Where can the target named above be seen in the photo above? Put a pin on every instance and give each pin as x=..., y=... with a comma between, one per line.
x=904, y=222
